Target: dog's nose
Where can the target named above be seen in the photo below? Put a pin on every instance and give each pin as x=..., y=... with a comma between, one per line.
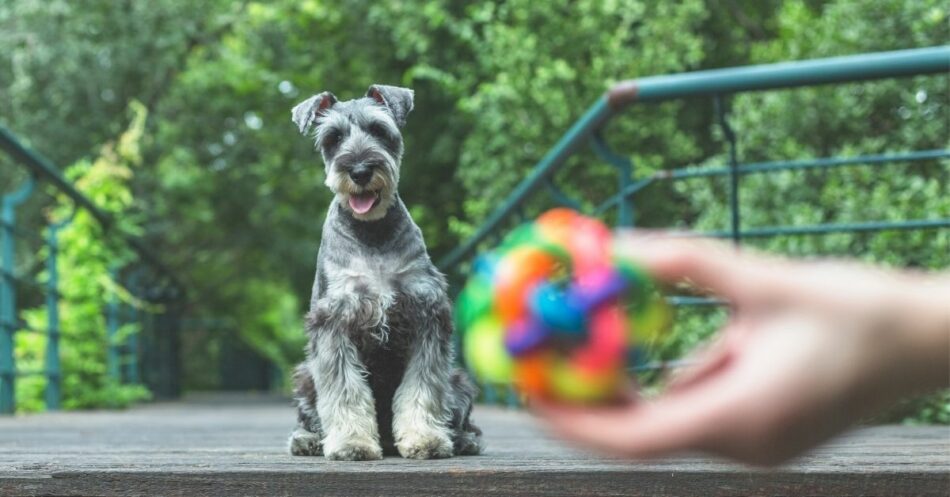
x=361, y=175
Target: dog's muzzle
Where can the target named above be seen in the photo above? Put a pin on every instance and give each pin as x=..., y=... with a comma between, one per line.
x=361, y=174
x=367, y=197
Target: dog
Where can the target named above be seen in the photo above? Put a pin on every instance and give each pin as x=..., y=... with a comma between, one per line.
x=379, y=374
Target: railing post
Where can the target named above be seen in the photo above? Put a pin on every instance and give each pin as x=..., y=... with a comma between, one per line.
x=112, y=329
x=513, y=400
x=624, y=167
x=174, y=310
x=730, y=136
x=625, y=212
x=52, y=365
x=161, y=345
x=146, y=343
x=491, y=396
x=8, y=314
x=132, y=344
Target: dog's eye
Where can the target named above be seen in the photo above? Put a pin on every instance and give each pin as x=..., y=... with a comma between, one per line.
x=378, y=131
x=331, y=139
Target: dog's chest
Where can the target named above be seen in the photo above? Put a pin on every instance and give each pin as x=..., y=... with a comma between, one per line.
x=378, y=276
x=399, y=290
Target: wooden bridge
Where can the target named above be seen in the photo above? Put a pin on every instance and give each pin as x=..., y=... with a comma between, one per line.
x=235, y=445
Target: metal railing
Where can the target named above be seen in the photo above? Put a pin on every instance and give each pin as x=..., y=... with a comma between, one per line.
x=123, y=357
x=717, y=85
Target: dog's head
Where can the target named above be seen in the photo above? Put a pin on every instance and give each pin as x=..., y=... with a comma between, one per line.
x=361, y=145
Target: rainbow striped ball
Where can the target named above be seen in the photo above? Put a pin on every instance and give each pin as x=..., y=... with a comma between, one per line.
x=554, y=312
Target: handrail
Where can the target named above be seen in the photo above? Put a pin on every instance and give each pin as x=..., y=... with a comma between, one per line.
x=124, y=353
x=850, y=68
x=44, y=169
x=714, y=82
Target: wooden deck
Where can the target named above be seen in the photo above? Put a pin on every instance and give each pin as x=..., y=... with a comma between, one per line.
x=233, y=446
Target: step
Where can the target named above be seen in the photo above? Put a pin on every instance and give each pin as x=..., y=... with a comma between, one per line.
x=237, y=446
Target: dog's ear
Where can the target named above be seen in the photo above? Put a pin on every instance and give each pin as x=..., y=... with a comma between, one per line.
x=397, y=100
x=305, y=113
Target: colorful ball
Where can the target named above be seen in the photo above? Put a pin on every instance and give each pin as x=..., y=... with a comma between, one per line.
x=555, y=313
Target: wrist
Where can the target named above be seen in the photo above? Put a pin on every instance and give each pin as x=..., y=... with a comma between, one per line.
x=924, y=329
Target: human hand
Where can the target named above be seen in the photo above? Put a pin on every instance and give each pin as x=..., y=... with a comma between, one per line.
x=811, y=348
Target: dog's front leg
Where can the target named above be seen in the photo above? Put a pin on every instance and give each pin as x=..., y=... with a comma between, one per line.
x=420, y=411
x=345, y=401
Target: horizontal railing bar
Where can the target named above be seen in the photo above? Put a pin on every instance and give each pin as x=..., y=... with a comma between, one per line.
x=772, y=166
x=27, y=281
x=32, y=330
x=44, y=169
x=635, y=187
x=821, y=229
x=36, y=372
x=851, y=68
x=22, y=326
x=822, y=163
x=697, y=301
x=23, y=234
x=17, y=279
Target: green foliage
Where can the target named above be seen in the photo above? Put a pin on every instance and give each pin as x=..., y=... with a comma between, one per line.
x=270, y=323
x=86, y=257
x=232, y=197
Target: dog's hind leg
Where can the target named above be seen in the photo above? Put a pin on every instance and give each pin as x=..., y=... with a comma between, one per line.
x=466, y=437
x=307, y=438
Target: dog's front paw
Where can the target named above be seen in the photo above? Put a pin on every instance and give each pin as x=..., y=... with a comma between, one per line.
x=305, y=443
x=468, y=444
x=354, y=450
x=426, y=445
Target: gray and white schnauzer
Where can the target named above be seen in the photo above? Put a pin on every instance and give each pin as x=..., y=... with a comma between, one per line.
x=379, y=374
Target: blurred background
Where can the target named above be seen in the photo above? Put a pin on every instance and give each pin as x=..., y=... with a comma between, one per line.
x=174, y=117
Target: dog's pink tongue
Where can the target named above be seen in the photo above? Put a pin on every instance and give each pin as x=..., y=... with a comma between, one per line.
x=362, y=203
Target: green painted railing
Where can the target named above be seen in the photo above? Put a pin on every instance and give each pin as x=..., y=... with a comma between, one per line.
x=716, y=85
x=125, y=358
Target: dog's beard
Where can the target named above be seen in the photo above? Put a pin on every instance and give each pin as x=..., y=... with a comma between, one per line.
x=366, y=203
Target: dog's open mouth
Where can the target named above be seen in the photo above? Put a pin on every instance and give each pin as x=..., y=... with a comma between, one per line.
x=361, y=203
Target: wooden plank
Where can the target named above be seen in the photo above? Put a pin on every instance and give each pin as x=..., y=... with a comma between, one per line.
x=236, y=446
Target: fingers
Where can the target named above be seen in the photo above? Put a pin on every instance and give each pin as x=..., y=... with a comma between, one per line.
x=758, y=282
x=616, y=431
x=736, y=274
x=717, y=407
x=704, y=263
x=693, y=419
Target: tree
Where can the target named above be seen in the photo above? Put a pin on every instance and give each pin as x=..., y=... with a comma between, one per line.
x=232, y=197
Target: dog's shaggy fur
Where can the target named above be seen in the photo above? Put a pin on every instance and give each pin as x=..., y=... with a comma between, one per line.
x=379, y=373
